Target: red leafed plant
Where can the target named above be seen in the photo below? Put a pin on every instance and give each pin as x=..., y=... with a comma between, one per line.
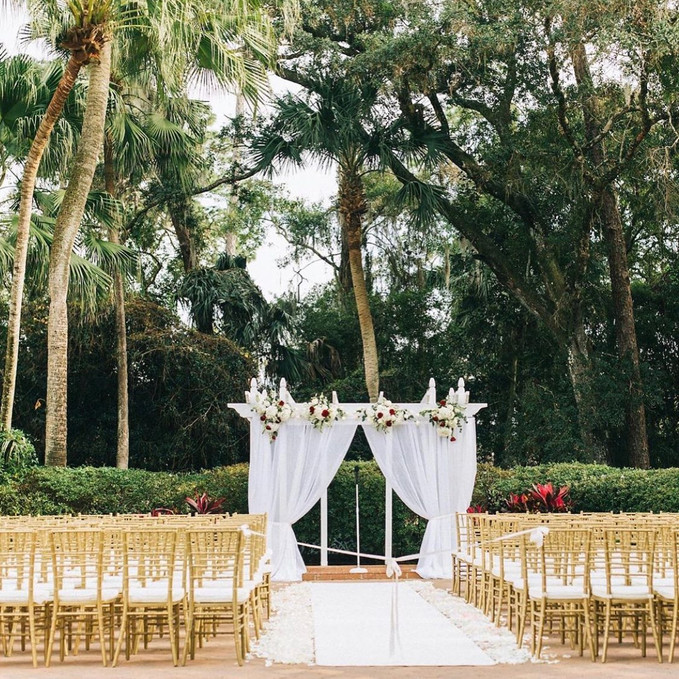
x=202, y=504
x=549, y=500
x=540, y=499
x=519, y=504
x=476, y=509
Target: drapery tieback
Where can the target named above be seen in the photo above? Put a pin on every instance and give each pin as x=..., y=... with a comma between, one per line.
x=442, y=516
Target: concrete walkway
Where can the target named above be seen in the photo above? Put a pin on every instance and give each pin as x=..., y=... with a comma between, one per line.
x=217, y=660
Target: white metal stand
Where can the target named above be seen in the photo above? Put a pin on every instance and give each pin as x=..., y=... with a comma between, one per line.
x=358, y=568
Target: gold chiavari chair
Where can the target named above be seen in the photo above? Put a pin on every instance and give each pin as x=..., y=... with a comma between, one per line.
x=24, y=600
x=83, y=596
x=625, y=599
x=561, y=594
x=666, y=590
x=153, y=587
x=217, y=592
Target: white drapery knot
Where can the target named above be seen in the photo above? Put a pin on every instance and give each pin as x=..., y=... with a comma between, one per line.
x=441, y=517
x=537, y=535
x=393, y=569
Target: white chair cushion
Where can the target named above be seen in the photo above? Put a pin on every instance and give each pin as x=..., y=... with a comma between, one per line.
x=558, y=592
x=664, y=592
x=86, y=596
x=214, y=595
x=622, y=592
x=154, y=595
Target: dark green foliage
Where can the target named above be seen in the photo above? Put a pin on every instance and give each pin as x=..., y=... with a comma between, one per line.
x=180, y=384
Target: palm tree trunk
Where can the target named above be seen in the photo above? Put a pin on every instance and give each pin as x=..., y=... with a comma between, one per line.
x=28, y=180
x=65, y=231
x=123, y=438
x=351, y=208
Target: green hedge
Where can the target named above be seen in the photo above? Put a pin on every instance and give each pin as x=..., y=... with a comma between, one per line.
x=90, y=490
x=594, y=488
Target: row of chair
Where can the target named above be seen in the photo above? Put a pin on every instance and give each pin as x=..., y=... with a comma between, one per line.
x=123, y=580
x=585, y=577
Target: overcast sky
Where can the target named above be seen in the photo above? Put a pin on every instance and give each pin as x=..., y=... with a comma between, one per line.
x=312, y=183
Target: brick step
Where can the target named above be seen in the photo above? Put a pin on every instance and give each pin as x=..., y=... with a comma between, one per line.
x=320, y=573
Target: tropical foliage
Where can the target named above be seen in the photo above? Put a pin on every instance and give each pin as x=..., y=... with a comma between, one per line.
x=505, y=210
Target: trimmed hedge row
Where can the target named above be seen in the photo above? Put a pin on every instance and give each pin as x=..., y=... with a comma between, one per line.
x=102, y=490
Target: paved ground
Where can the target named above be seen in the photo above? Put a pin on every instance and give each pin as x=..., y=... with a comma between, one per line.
x=217, y=660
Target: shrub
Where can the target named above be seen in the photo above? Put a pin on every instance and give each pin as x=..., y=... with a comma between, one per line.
x=16, y=451
x=90, y=490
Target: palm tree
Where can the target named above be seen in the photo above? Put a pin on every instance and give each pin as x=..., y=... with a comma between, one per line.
x=329, y=125
x=81, y=40
x=174, y=42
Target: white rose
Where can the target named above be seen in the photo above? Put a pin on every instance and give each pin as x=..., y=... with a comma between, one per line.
x=271, y=412
x=285, y=414
x=444, y=431
x=273, y=426
x=445, y=413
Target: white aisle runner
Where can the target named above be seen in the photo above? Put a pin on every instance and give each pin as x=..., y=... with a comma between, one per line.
x=352, y=623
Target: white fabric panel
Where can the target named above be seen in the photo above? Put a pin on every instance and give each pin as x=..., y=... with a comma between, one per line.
x=287, y=477
x=434, y=477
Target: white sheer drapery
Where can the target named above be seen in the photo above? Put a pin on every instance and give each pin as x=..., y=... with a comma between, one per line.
x=434, y=477
x=287, y=477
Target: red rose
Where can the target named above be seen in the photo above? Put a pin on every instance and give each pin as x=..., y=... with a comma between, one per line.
x=281, y=403
x=311, y=409
x=443, y=423
x=388, y=423
x=262, y=417
x=452, y=438
x=268, y=426
x=434, y=419
x=325, y=413
x=442, y=402
x=379, y=415
x=392, y=411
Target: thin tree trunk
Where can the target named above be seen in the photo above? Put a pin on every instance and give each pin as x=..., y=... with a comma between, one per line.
x=580, y=371
x=28, y=180
x=625, y=331
x=352, y=207
x=231, y=238
x=123, y=437
x=65, y=231
x=180, y=222
x=621, y=292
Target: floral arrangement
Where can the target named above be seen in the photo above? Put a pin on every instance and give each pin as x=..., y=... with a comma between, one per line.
x=321, y=413
x=272, y=412
x=384, y=414
x=446, y=417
